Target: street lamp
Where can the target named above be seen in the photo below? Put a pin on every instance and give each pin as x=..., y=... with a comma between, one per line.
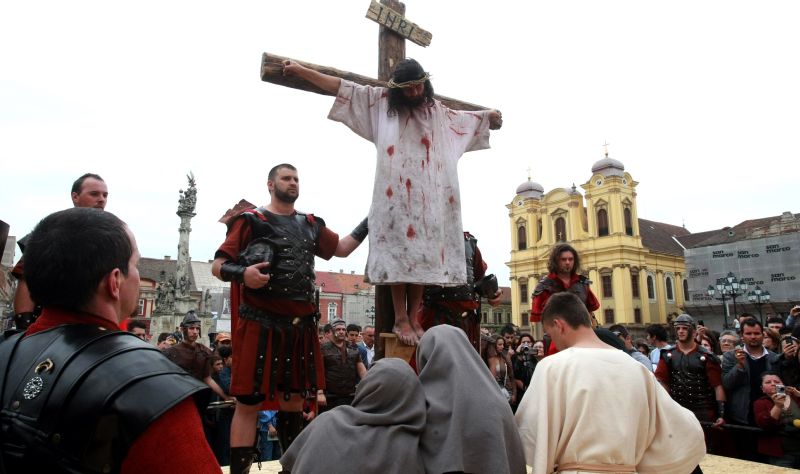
x=370, y=313
x=729, y=288
x=759, y=297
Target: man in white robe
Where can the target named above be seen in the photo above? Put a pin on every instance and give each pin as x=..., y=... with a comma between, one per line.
x=592, y=408
x=415, y=232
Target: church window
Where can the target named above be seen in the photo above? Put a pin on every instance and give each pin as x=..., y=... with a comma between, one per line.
x=523, y=292
x=602, y=223
x=540, y=228
x=609, y=316
x=651, y=289
x=140, y=310
x=522, y=240
x=331, y=311
x=485, y=319
x=668, y=283
x=607, y=287
x=634, y=285
x=628, y=221
x=561, y=230
x=637, y=315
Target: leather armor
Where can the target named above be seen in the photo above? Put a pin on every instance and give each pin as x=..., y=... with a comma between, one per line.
x=688, y=379
x=293, y=239
x=433, y=294
x=579, y=288
x=340, y=376
x=76, y=397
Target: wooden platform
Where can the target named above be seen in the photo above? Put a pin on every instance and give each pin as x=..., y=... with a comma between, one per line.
x=710, y=465
x=394, y=348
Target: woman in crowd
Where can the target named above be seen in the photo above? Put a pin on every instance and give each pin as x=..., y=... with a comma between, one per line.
x=642, y=346
x=709, y=341
x=386, y=419
x=776, y=413
x=728, y=340
x=469, y=426
x=501, y=370
x=772, y=341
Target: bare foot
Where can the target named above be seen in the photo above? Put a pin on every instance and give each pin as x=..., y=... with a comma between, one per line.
x=405, y=333
x=417, y=328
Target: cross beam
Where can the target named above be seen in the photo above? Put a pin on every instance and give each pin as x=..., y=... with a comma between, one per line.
x=272, y=71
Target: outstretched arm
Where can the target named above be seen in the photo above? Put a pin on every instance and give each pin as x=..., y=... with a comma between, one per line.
x=325, y=82
x=353, y=240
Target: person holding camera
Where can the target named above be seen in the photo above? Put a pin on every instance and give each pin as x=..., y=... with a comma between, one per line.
x=525, y=359
x=778, y=414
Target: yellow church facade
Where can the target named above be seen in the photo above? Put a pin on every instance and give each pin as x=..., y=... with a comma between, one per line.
x=636, y=266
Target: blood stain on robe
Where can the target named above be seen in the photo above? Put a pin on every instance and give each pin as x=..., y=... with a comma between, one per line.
x=390, y=151
x=451, y=200
x=427, y=142
x=389, y=192
x=441, y=254
x=411, y=233
x=460, y=134
x=408, y=191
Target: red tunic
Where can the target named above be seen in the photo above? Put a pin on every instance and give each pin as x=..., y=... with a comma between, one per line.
x=537, y=305
x=245, y=337
x=178, y=432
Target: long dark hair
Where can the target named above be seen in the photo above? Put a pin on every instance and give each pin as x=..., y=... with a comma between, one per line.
x=407, y=70
x=552, y=264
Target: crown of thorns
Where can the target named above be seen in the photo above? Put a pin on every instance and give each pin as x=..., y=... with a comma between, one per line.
x=413, y=82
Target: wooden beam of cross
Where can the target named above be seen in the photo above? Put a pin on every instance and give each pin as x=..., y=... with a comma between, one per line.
x=394, y=30
x=391, y=47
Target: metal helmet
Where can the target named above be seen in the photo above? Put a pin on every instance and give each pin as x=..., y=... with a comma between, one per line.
x=684, y=320
x=190, y=319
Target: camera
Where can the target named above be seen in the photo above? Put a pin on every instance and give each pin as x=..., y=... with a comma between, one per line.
x=780, y=389
x=525, y=348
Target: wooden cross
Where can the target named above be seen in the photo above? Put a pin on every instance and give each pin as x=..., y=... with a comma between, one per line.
x=394, y=30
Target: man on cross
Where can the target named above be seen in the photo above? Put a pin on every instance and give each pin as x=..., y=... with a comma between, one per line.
x=415, y=237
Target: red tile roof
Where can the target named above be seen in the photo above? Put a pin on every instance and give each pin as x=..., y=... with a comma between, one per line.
x=342, y=283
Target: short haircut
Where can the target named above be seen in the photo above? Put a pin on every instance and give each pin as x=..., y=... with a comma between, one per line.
x=78, y=184
x=567, y=307
x=528, y=335
x=70, y=252
x=745, y=315
x=775, y=319
x=369, y=326
x=619, y=328
x=752, y=322
x=552, y=264
x=274, y=171
x=353, y=327
x=135, y=323
x=214, y=358
x=224, y=351
x=729, y=332
x=657, y=331
x=507, y=329
x=327, y=328
x=770, y=372
x=163, y=337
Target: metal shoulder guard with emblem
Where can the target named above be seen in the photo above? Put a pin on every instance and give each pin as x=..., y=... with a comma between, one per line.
x=76, y=397
x=292, y=240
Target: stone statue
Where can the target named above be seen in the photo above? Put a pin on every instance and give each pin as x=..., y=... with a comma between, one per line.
x=188, y=198
x=207, y=301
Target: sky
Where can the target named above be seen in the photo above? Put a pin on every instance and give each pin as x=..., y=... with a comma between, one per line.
x=699, y=100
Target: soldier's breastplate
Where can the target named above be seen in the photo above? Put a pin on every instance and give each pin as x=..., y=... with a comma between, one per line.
x=433, y=294
x=293, y=240
x=689, y=381
x=579, y=289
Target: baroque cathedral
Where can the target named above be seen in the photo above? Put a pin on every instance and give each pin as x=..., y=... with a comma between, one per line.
x=636, y=266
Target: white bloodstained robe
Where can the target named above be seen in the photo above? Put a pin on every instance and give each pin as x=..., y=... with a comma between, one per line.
x=415, y=233
x=600, y=406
